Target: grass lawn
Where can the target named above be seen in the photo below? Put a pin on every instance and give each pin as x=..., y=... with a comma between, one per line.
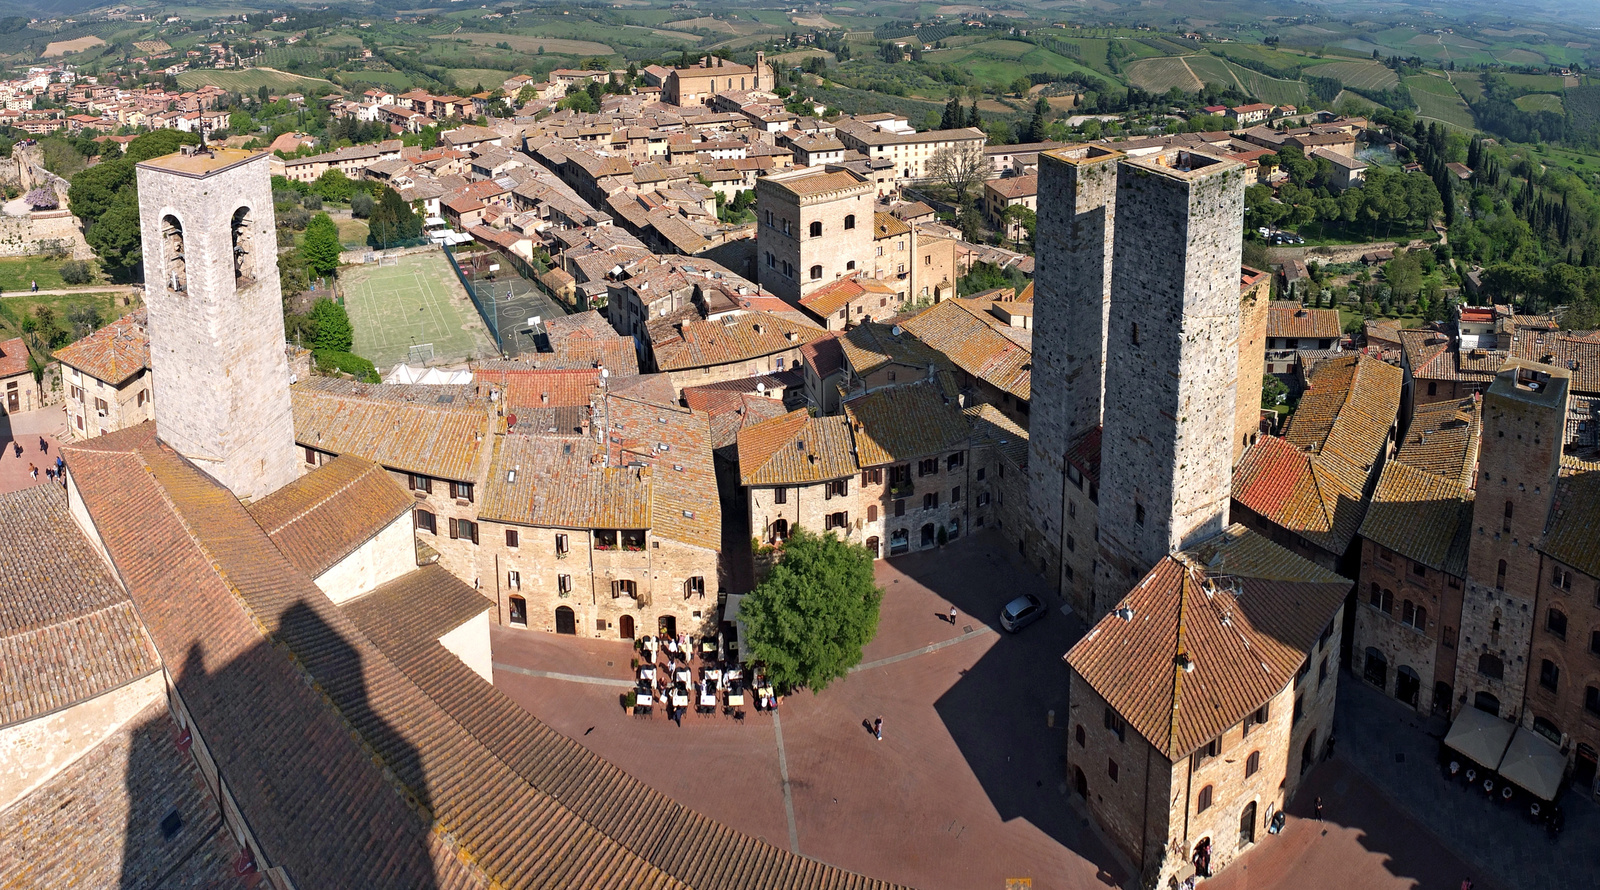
x=1406, y=321
x=415, y=302
x=110, y=306
x=17, y=273
x=1323, y=232
x=352, y=232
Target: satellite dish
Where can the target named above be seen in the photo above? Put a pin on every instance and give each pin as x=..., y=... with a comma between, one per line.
x=604, y=373
x=761, y=387
x=895, y=330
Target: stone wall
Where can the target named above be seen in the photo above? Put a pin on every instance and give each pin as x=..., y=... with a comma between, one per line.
x=384, y=557
x=1072, y=293
x=216, y=344
x=1252, y=360
x=1578, y=599
x=1518, y=460
x=834, y=250
x=1428, y=650
x=1172, y=372
x=128, y=406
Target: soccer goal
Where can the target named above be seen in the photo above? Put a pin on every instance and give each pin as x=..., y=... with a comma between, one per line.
x=420, y=354
x=388, y=261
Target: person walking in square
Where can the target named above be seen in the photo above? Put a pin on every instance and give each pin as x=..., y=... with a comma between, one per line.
x=877, y=729
x=1319, y=808
x=33, y=471
x=952, y=616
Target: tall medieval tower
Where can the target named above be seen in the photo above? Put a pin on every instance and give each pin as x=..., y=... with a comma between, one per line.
x=1172, y=362
x=1077, y=214
x=1524, y=427
x=217, y=355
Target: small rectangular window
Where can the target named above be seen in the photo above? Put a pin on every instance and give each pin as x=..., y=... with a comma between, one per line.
x=514, y=579
x=561, y=545
x=780, y=495
x=419, y=483
x=461, y=491
x=426, y=522
x=564, y=583
x=511, y=537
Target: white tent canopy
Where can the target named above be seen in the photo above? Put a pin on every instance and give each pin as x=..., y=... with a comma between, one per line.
x=1480, y=736
x=1533, y=764
x=404, y=373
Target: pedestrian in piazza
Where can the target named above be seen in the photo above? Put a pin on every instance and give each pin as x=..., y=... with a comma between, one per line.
x=877, y=729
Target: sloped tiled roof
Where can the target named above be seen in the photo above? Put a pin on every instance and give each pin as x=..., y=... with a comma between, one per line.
x=990, y=426
x=563, y=483
x=684, y=340
x=1245, y=643
x=114, y=353
x=1294, y=320
x=902, y=423
x=1348, y=408
x=1432, y=355
x=974, y=341
x=13, y=357
x=1084, y=453
x=1422, y=516
x=433, y=430
x=1572, y=534
x=67, y=629
x=328, y=513
x=417, y=608
x=796, y=449
x=1443, y=439
x=730, y=412
x=1579, y=355
x=831, y=297
x=871, y=346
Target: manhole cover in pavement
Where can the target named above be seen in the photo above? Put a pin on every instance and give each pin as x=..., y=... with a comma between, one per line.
x=966, y=628
x=609, y=664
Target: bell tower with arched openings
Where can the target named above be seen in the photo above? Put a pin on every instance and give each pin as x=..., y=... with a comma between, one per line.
x=216, y=317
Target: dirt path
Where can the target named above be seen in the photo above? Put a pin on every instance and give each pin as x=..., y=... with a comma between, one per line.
x=86, y=289
x=1197, y=80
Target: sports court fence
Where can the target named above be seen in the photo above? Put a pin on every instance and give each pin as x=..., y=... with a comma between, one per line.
x=509, y=299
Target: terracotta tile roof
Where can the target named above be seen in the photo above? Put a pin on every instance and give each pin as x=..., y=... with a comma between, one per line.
x=1294, y=320
x=1348, y=409
x=902, y=423
x=1013, y=187
x=67, y=629
x=415, y=609
x=730, y=412
x=990, y=426
x=871, y=346
x=562, y=483
x=97, y=822
x=796, y=449
x=1578, y=355
x=1245, y=642
x=887, y=225
x=674, y=445
x=437, y=431
x=1422, y=516
x=522, y=389
x=820, y=183
x=974, y=340
x=1432, y=355
x=13, y=357
x=328, y=513
x=1573, y=532
x=824, y=356
x=1443, y=439
x=684, y=340
x=831, y=297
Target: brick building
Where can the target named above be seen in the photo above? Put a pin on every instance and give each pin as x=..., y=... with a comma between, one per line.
x=696, y=84
x=107, y=378
x=813, y=227
x=16, y=379
x=1414, y=559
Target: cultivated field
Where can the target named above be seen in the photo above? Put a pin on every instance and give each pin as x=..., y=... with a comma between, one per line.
x=527, y=44
x=63, y=47
x=249, y=80
x=1360, y=75
x=418, y=301
x=1438, y=100
x=1536, y=83
x=1162, y=74
x=1539, y=102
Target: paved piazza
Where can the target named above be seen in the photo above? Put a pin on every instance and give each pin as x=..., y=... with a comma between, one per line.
x=966, y=790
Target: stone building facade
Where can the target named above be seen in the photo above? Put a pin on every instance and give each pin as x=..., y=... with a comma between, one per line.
x=812, y=227
x=1171, y=392
x=1072, y=296
x=212, y=293
x=1255, y=289
x=1524, y=412
x=107, y=378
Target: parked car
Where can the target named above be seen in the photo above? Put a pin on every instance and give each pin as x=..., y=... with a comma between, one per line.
x=1264, y=232
x=1021, y=612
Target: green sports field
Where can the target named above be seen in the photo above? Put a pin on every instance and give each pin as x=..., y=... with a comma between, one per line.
x=415, y=302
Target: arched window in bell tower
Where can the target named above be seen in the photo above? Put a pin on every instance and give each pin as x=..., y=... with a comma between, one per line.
x=172, y=252
x=243, y=245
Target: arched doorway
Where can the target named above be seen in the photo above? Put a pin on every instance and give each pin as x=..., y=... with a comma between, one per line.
x=872, y=546
x=927, y=535
x=1583, y=768
x=625, y=627
x=1202, y=858
x=1407, y=685
x=1080, y=782
x=1441, y=697
x=780, y=530
x=1375, y=669
x=1308, y=754
x=1247, y=824
x=1484, y=701
x=899, y=541
x=668, y=626
x=566, y=621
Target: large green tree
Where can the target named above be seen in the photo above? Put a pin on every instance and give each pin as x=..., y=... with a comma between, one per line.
x=321, y=248
x=331, y=330
x=809, y=619
x=392, y=222
x=105, y=198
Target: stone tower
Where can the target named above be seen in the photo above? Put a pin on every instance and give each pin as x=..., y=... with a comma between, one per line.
x=1072, y=295
x=813, y=227
x=1519, y=458
x=1172, y=362
x=217, y=355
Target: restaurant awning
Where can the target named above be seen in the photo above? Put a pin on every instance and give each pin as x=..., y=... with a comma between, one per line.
x=1533, y=764
x=1479, y=736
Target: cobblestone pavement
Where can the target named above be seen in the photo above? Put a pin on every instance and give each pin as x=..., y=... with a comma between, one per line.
x=27, y=429
x=1398, y=751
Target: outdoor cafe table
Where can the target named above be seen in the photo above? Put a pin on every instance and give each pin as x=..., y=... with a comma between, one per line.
x=708, y=699
x=735, y=697
x=712, y=674
x=647, y=672
x=680, y=700
x=643, y=699
x=682, y=675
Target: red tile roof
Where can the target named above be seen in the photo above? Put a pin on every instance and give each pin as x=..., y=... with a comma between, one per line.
x=328, y=513
x=114, y=353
